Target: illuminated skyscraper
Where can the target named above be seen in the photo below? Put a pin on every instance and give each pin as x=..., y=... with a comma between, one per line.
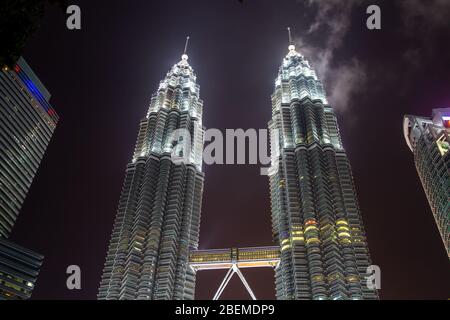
x=19, y=268
x=429, y=140
x=27, y=122
x=158, y=217
x=315, y=214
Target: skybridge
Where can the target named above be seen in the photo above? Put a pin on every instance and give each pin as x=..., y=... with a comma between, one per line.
x=233, y=260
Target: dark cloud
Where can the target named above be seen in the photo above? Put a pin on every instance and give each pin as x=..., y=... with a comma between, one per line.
x=420, y=21
x=425, y=16
x=332, y=21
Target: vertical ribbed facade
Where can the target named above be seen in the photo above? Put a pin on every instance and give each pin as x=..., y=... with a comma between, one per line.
x=19, y=268
x=158, y=216
x=429, y=140
x=27, y=122
x=315, y=214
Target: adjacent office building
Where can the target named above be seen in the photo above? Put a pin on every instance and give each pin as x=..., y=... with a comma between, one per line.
x=27, y=122
x=429, y=140
x=158, y=215
x=315, y=214
x=19, y=268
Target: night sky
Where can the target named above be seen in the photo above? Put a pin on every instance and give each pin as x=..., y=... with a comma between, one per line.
x=102, y=77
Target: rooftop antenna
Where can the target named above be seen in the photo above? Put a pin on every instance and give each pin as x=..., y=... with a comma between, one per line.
x=291, y=43
x=185, y=56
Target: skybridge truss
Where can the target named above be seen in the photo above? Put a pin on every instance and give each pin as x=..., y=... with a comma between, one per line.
x=233, y=260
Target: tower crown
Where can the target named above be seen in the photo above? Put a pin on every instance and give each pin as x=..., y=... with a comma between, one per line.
x=179, y=90
x=296, y=79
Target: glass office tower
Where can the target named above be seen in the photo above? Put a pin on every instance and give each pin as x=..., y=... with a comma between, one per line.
x=315, y=214
x=158, y=216
x=27, y=122
x=19, y=268
x=429, y=140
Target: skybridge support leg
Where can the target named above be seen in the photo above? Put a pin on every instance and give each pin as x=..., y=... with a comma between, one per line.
x=224, y=283
x=244, y=282
x=234, y=269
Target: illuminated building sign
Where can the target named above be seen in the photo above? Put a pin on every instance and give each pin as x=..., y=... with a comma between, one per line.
x=33, y=89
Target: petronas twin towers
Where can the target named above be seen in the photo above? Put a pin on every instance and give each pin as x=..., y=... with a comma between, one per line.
x=316, y=221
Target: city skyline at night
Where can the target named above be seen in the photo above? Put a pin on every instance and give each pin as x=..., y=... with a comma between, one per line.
x=103, y=79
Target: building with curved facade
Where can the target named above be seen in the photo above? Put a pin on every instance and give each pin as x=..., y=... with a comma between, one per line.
x=27, y=123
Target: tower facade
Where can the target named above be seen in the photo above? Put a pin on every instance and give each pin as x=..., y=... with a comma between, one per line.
x=19, y=268
x=158, y=216
x=27, y=122
x=429, y=140
x=315, y=214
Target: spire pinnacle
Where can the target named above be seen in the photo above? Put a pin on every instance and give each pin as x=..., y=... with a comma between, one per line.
x=291, y=43
x=185, y=56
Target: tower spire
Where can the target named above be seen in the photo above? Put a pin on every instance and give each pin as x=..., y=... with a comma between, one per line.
x=291, y=43
x=185, y=56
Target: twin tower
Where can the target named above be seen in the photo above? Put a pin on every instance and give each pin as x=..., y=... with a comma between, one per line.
x=320, y=247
